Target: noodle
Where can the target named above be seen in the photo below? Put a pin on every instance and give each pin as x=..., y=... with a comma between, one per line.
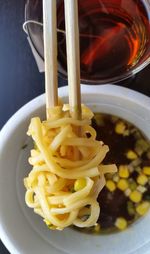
x=67, y=173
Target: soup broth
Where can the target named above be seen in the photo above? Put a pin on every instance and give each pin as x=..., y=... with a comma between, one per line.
x=126, y=196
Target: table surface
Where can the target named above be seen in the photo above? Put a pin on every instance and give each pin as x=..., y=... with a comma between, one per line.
x=20, y=80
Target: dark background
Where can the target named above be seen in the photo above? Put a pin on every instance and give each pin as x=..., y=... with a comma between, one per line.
x=20, y=80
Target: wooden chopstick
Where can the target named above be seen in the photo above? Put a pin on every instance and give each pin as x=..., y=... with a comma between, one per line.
x=73, y=57
x=50, y=53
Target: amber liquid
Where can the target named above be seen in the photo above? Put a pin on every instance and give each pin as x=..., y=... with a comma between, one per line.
x=114, y=37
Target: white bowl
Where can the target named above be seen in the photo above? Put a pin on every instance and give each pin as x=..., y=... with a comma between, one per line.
x=20, y=229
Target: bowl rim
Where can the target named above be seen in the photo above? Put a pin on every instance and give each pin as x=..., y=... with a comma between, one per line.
x=110, y=89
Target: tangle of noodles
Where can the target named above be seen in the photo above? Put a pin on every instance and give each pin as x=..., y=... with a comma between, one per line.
x=67, y=173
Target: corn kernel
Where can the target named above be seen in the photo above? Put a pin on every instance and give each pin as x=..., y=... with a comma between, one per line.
x=97, y=228
x=86, y=211
x=116, y=178
x=138, y=170
x=126, y=133
x=121, y=223
x=131, y=168
x=146, y=170
x=143, y=208
x=99, y=120
x=122, y=184
x=48, y=223
x=123, y=171
x=142, y=179
x=130, y=208
x=141, y=188
x=79, y=184
x=131, y=155
x=135, y=163
x=132, y=185
x=135, y=196
x=120, y=128
x=110, y=185
x=127, y=192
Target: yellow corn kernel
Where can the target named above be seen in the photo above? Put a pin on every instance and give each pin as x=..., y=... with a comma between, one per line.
x=135, y=196
x=47, y=222
x=97, y=228
x=79, y=184
x=132, y=185
x=121, y=223
x=142, y=179
x=146, y=170
x=87, y=113
x=120, y=128
x=143, y=208
x=123, y=171
x=86, y=211
x=122, y=184
x=131, y=155
x=110, y=185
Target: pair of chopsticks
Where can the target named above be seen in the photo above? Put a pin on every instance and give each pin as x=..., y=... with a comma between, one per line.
x=73, y=56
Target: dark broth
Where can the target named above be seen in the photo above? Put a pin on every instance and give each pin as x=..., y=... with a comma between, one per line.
x=129, y=147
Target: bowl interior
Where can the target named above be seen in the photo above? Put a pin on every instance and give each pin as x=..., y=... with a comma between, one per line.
x=24, y=232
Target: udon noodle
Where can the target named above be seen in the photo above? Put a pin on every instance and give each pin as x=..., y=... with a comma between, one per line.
x=67, y=173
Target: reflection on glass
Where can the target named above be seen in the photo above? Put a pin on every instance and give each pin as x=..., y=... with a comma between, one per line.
x=114, y=37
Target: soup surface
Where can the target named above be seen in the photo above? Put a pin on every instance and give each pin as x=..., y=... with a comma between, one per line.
x=126, y=196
